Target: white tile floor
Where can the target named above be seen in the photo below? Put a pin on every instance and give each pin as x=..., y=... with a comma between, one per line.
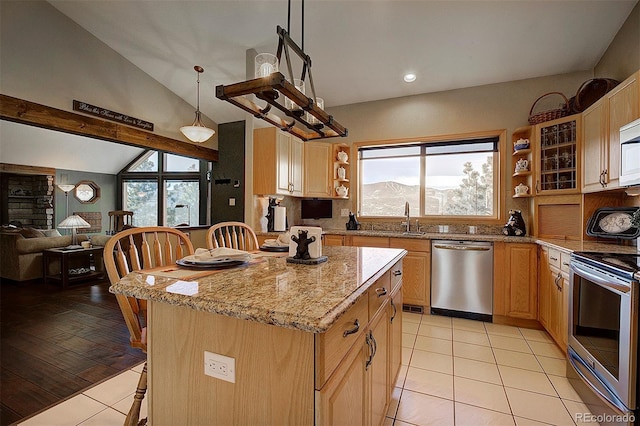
x=454, y=372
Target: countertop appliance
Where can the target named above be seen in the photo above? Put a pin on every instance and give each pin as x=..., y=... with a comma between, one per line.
x=462, y=279
x=630, y=154
x=603, y=334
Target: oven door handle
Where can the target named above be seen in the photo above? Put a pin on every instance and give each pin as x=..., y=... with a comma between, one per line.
x=599, y=279
x=595, y=384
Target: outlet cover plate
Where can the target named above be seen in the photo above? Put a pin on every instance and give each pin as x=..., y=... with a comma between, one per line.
x=220, y=366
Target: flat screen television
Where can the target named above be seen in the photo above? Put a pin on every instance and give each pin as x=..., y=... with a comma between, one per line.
x=316, y=209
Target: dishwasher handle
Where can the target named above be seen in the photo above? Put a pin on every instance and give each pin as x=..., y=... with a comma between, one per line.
x=467, y=248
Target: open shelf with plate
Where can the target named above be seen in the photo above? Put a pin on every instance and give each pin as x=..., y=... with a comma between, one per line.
x=341, y=170
x=522, y=163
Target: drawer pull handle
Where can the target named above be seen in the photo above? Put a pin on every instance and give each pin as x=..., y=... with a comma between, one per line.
x=397, y=273
x=555, y=259
x=381, y=291
x=395, y=311
x=371, y=350
x=565, y=263
x=356, y=327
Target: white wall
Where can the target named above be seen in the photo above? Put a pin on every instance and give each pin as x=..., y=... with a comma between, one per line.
x=47, y=58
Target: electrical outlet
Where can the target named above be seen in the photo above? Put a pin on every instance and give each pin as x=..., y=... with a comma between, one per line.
x=344, y=212
x=220, y=366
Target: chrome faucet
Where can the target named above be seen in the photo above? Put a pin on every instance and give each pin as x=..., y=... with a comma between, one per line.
x=406, y=215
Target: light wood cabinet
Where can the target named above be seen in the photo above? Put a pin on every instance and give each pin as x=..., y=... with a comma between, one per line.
x=523, y=176
x=363, y=241
x=601, y=124
x=516, y=280
x=339, y=163
x=318, y=170
x=557, y=156
x=358, y=389
x=554, y=294
x=333, y=240
x=277, y=163
x=416, y=281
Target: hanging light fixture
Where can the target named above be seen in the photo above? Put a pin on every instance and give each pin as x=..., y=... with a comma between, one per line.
x=269, y=84
x=197, y=132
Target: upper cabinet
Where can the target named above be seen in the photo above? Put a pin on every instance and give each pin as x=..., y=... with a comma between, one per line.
x=318, y=169
x=277, y=163
x=601, y=134
x=557, y=156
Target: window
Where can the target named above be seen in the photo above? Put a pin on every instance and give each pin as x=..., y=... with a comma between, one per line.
x=453, y=178
x=165, y=189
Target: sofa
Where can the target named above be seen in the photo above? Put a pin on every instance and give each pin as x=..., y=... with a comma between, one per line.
x=21, y=251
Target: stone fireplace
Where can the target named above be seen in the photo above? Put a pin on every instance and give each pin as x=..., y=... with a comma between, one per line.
x=27, y=199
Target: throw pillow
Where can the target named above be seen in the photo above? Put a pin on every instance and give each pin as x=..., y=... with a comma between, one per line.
x=31, y=233
x=51, y=233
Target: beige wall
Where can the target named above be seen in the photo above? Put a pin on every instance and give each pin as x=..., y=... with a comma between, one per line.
x=47, y=58
x=622, y=57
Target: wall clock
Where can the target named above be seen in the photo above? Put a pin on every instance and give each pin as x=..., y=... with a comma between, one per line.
x=87, y=192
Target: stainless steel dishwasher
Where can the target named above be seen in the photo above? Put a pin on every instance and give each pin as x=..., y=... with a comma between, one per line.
x=462, y=279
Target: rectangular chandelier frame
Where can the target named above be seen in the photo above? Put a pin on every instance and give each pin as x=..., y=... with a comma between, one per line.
x=270, y=88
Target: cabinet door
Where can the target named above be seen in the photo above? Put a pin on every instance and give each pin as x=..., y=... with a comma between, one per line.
x=360, y=241
x=522, y=294
x=623, y=108
x=343, y=399
x=395, y=337
x=594, y=147
x=296, y=162
x=544, y=287
x=282, y=163
x=563, y=325
x=317, y=169
x=557, y=156
x=416, y=279
x=555, y=306
x=378, y=369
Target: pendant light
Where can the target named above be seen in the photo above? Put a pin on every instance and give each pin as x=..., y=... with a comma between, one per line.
x=197, y=132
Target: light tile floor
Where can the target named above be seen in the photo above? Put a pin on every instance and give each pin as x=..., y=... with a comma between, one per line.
x=454, y=372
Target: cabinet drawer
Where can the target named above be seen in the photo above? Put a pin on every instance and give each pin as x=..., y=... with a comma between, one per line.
x=565, y=258
x=396, y=274
x=410, y=244
x=554, y=258
x=333, y=345
x=379, y=293
x=360, y=241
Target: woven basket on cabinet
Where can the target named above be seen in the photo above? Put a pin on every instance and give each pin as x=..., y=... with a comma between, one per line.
x=551, y=114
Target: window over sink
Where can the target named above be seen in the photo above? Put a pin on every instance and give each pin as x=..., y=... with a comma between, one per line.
x=439, y=177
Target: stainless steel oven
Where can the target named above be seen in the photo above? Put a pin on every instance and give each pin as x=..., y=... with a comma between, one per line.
x=603, y=333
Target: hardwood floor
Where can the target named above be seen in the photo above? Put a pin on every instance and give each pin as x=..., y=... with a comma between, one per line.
x=55, y=343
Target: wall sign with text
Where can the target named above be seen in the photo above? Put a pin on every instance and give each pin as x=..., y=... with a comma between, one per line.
x=112, y=115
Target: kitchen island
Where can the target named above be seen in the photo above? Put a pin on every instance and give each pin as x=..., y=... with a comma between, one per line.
x=311, y=344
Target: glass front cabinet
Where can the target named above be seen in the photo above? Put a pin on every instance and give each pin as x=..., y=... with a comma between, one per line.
x=558, y=156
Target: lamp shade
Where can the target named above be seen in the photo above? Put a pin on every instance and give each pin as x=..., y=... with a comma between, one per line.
x=73, y=222
x=197, y=132
x=66, y=187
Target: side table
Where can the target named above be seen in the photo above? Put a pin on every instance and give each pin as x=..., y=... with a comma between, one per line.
x=73, y=265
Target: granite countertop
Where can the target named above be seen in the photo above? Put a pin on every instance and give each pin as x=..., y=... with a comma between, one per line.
x=271, y=291
x=601, y=245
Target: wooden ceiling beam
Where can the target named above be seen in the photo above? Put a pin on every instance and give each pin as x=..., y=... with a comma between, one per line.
x=26, y=112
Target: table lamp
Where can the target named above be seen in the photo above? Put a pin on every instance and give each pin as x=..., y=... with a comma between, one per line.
x=74, y=222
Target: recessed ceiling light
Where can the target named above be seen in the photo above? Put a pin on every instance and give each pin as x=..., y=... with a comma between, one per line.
x=410, y=77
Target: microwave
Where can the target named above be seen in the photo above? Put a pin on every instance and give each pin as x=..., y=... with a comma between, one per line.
x=630, y=154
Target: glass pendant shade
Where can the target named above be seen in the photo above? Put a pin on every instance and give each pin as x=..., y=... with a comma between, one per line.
x=197, y=132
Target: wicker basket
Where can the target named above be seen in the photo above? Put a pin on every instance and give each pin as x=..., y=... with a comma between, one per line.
x=551, y=114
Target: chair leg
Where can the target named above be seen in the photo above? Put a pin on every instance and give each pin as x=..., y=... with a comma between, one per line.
x=134, y=412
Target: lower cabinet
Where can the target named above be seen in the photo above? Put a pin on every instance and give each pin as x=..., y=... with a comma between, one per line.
x=515, y=280
x=358, y=390
x=416, y=281
x=333, y=240
x=554, y=294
